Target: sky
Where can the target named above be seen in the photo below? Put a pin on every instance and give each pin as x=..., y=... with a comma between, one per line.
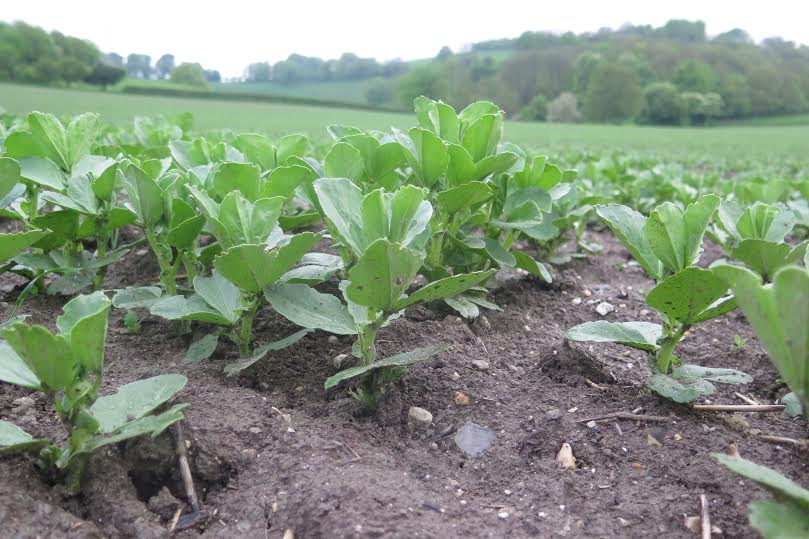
x=228, y=35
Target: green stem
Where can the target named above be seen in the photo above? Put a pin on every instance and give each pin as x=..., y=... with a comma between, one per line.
x=667, y=349
x=190, y=264
x=511, y=237
x=101, y=248
x=436, y=246
x=168, y=270
x=246, y=331
x=33, y=202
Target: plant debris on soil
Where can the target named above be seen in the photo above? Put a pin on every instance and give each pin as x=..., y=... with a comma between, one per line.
x=274, y=454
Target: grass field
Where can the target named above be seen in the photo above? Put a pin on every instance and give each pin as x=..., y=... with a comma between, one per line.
x=343, y=91
x=763, y=143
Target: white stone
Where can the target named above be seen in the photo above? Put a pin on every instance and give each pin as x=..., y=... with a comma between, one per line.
x=604, y=308
x=419, y=417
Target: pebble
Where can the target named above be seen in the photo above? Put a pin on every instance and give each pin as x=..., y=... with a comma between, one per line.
x=576, y=301
x=254, y=430
x=460, y=398
x=644, y=312
x=736, y=422
x=21, y=405
x=333, y=339
x=586, y=292
x=481, y=364
x=553, y=414
x=502, y=514
x=473, y=439
x=591, y=424
x=604, y=308
x=455, y=376
x=338, y=360
x=419, y=417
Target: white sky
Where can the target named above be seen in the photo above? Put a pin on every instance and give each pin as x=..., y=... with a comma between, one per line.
x=228, y=35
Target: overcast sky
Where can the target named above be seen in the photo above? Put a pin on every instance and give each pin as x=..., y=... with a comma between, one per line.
x=228, y=35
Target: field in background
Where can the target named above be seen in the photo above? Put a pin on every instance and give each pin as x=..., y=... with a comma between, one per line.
x=765, y=143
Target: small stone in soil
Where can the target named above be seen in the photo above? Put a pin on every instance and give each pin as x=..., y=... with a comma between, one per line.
x=591, y=424
x=333, y=339
x=481, y=364
x=502, y=514
x=454, y=376
x=338, y=360
x=419, y=417
x=576, y=301
x=21, y=405
x=460, y=398
x=553, y=414
x=254, y=430
x=473, y=439
x=604, y=308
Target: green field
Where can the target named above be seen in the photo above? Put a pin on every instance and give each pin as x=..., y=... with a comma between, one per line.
x=764, y=142
x=340, y=91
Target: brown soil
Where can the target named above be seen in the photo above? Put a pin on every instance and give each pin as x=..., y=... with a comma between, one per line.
x=273, y=451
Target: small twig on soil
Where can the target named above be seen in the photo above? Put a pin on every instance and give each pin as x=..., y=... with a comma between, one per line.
x=494, y=505
x=637, y=410
x=197, y=515
x=356, y=458
x=624, y=415
x=705, y=517
x=783, y=440
x=739, y=407
x=595, y=385
x=745, y=398
x=618, y=428
x=175, y=518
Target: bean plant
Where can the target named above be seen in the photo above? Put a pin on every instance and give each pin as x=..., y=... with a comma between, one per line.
x=667, y=245
x=68, y=369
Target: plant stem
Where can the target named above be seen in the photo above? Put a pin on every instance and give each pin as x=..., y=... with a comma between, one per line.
x=246, y=331
x=168, y=271
x=33, y=202
x=667, y=349
x=101, y=248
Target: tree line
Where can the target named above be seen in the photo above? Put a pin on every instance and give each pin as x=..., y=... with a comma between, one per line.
x=298, y=68
x=29, y=54
x=673, y=74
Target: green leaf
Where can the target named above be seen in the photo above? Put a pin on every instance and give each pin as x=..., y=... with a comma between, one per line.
x=282, y=181
x=13, y=369
x=341, y=202
x=468, y=194
x=154, y=425
x=81, y=134
x=463, y=306
x=427, y=156
x=9, y=175
x=688, y=294
x=14, y=440
x=534, y=267
x=763, y=257
x=221, y=294
x=767, y=478
x=141, y=297
x=675, y=236
x=191, y=308
x=48, y=356
x=184, y=235
x=481, y=138
x=84, y=325
x=238, y=366
x=145, y=195
x=253, y=267
x=382, y=274
x=640, y=335
x=460, y=168
x=42, y=172
x=135, y=400
x=399, y=360
x=794, y=408
x=780, y=315
x=257, y=149
x=202, y=348
x=242, y=177
x=289, y=146
x=12, y=244
x=494, y=164
x=51, y=138
x=311, y=309
x=779, y=520
x=437, y=117
x=344, y=161
x=711, y=374
x=681, y=391
x=495, y=250
x=444, y=288
x=244, y=222
x=628, y=226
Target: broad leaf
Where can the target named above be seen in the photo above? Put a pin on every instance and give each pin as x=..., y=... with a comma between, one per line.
x=202, y=348
x=399, y=360
x=382, y=274
x=48, y=356
x=142, y=297
x=311, y=309
x=13, y=369
x=135, y=400
x=84, y=325
x=12, y=244
x=688, y=294
x=628, y=226
x=682, y=391
x=444, y=288
x=238, y=366
x=641, y=335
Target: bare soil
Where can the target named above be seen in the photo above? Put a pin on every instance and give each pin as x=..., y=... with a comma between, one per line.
x=273, y=451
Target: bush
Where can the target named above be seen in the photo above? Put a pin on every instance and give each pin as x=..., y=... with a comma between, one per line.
x=564, y=109
x=189, y=74
x=662, y=104
x=105, y=75
x=613, y=94
x=536, y=110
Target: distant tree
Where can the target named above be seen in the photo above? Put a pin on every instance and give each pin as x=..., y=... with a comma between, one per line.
x=564, y=109
x=737, y=36
x=699, y=108
x=427, y=80
x=380, y=92
x=139, y=66
x=212, y=75
x=189, y=74
x=662, y=104
x=394, y=68
x=77, y=57
x=735, y=92
x=259, y=72
x=583, y=70
x=164, y=66
x=682, y=30
x=105, y=75
x=444, y=54
x=694, y=76
x=536, y=110
x=613, y=95
x=113, y=59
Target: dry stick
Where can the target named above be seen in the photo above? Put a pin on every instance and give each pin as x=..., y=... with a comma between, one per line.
x=746, y=399
x=595, y=385
x=782, y=440
x=739, y=407
x=185, y=469
x=624, y=415
x=705, y=517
